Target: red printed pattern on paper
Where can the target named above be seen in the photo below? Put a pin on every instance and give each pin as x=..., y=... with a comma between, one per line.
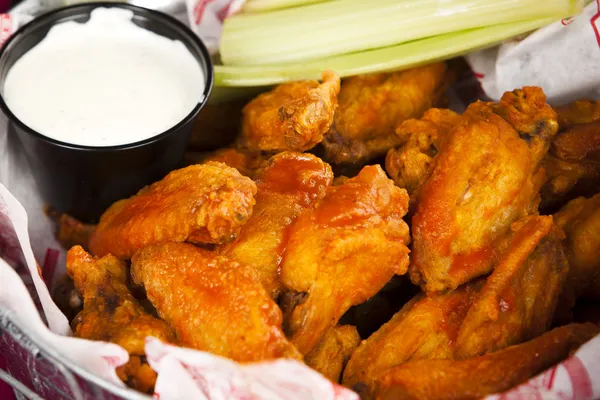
x=580, y=379
x=201, y=6
x=199, y=9
x=223, y=12
x=6, y=27
x=594, y=23
x=49, y=265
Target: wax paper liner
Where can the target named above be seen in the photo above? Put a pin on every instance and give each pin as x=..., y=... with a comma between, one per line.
x=563, y=58
x=185, y=373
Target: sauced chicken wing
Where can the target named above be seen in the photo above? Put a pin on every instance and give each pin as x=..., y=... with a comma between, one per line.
x=477, y=377
x=293, y=116
x=485, y=177
x=205, y=203
x=213, y=304
x=426, y=327
x=247, y=162
x=371, y=107
x=518, y=300
x=572, y=166
x=333, y=351
x=578, y=112
x=111, y=313
x=286, y=187
x=411, y=163
x=343, y=250
x=580, y=219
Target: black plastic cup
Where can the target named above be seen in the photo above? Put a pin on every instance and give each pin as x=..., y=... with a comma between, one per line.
x=84, y=181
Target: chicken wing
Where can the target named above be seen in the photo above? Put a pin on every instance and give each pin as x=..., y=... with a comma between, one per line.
x=289, y=184
x=213, y=304
x=111, y=313
x=572, y=166
x=333, y=351
x=518, y=300
x=343, y=250
x=293, y=116
x=578, y=112
x=411, y=163
x=426, y=327
x=205, y=203
x=477, y=377
x=485, y=177
x=247, y=162
x=70, y=231
x=371, y=107
x=580, y=219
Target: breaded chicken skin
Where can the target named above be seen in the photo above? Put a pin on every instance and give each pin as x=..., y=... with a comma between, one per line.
x=213, y=304
x=205, y=203
x=293, y=116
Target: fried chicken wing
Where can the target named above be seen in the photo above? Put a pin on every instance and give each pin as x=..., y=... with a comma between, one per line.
x=371, y=107
x=578, y=112
x=580, y=219
x=426, y=327
x=343, y=250
x=111, y=313
x=572, y=165
x=247, y=162
x=293, y=116
x=289, y=184
x=485, y=177
x=205, y=203
x=70, y=231
x=477, y=377
x=333, y=351
x=518, y=300
x=411, y=163
x=213, y=304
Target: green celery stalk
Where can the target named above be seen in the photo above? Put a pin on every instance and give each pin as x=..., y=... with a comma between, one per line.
x=331, y=28
x=270, y=5
x=402, y=56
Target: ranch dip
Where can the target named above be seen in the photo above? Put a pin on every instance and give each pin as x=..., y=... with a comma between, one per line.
x=104, y=82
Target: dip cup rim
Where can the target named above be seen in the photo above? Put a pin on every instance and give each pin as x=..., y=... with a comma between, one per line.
x=48, y=19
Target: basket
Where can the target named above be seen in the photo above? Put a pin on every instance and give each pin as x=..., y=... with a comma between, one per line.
x=36, y=372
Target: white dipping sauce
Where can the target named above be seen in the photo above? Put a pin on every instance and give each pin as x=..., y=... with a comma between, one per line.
x=105, y=82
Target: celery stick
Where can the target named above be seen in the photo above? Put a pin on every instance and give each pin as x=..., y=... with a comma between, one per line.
x=397, y=57
x=337, y=27
x=270, y=5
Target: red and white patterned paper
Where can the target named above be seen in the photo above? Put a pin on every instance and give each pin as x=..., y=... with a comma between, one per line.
x=563, y=58
x=206, y=18
x=204, y=376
